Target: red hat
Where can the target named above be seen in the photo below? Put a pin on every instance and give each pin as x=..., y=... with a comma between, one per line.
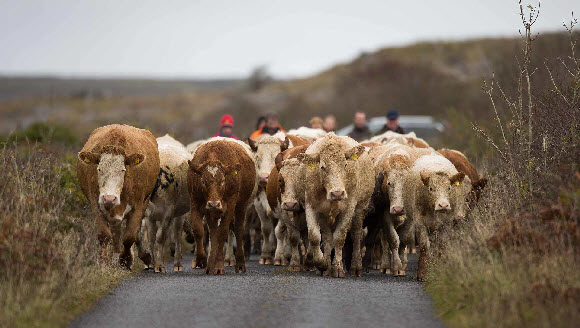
x=227, y=120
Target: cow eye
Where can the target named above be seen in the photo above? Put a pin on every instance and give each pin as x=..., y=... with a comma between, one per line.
x=124, y=170
x=430, y=189
x=388, y=183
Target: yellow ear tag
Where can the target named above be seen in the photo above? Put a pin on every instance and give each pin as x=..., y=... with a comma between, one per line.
x=311, y=166
x=87, y=160
x=456, y=183
x=137, y=160
x=354, y=157
x=235, y=172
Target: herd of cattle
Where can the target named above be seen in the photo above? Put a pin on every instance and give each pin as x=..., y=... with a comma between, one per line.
x=307, y=195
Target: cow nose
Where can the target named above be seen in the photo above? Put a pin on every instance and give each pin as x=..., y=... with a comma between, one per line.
x=443, y=207
x=109, y=200
x=264, y=178
x=397, y=210
x=337, y=195
x=214, y=204
x=289, y=206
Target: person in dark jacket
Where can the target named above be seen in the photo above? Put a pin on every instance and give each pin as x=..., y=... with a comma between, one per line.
x=392, y=123
x=360, y=131
x=226, y=127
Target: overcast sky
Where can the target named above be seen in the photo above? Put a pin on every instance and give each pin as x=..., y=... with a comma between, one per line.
x=198, y=38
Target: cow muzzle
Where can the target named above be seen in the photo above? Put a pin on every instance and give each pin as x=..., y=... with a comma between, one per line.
x=264, y=179
x=213, y=205
x=108, y=201
x=443, y=207
x=290, y=206
x=337, y=195
x=397, y=210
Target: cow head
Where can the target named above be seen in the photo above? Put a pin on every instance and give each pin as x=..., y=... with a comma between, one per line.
x=460, y=197
x=266, y=151
x=291, y=182
x=213, y=176
x=111, y=164
x=332, y=163
x=439, y=186
x=395, y=171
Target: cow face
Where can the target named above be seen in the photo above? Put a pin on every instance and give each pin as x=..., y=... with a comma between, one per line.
x=393, y=186
x=439, y=186
x=332, y=164
x=213, y=183
x=460, y=197
x=111, y=169
x=291, y=182
x=266, y=151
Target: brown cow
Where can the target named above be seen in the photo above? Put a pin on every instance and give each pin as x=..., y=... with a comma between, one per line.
x=290, y=213
x=117, y=171
x=222, y=182
x=462, y=164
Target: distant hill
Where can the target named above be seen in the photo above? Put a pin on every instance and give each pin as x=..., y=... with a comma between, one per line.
x=13, y=88
x=443, y=79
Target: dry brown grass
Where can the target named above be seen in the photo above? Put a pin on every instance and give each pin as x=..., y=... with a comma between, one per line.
x=48, y=270
x=516, y=262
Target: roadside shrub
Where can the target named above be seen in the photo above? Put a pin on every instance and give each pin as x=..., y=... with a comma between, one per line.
x=42, y=132
x=48, y=247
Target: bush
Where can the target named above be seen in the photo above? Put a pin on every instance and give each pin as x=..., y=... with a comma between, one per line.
x=48, y=248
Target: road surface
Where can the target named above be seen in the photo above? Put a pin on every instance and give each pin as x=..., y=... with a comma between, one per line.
x=266, y=296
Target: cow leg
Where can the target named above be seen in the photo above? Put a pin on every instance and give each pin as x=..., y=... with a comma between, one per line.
x=327, y=244
x=356, y=268
x=130, y=236
x=160, y=242
x=338, y=239
x=104, y=236
x=229, y=258
x=314, y=254
x=423, y=249
x=267, y=229
x=385, y=259
x=393, y=239
x=144, y=244
x=152, y=231
x=199, y=258
x=279, y=232
x=287, y=254
x=239, y=229
x=177, y=229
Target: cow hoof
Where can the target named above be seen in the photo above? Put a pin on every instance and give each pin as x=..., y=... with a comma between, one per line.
x=227, y=263
x=261, y=260
x=240, y=268
x=400, y=273
x=232, y=263
x=295, y=268
x=413, y=250
x=386, y=271
x=356, y=272
x=325, y=273
x=178, y=268
x=376, y=266
x=285, y=262
x=268, y=262
x=420, y=279
x=277, y=262
x=337, y=272
x=199, y=262
x=159, y=269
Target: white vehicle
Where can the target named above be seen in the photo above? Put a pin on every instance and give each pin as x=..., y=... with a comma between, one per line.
x=424, y=126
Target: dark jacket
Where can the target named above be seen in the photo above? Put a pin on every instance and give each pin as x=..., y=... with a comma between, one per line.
x=385, y=128
x=360, y=134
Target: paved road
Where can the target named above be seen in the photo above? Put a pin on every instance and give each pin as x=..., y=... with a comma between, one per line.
x=265, y=296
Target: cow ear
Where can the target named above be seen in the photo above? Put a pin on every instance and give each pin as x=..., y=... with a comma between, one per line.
x=233, y=169
x=285, y=144
x=194, y=168
x=425, y=178
x=480, y=184
x=88, y=157
x=309, y=158
x=457, y=178
x=279, y=161
x=355, y=152
x=134, y=159
x=252, y=144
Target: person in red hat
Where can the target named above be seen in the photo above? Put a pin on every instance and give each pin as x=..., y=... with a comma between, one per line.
x=226, y=127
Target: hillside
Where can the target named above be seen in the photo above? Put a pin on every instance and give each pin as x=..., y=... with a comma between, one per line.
x=434, y=78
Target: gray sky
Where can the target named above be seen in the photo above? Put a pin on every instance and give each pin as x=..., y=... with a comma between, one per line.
x=198, y=38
